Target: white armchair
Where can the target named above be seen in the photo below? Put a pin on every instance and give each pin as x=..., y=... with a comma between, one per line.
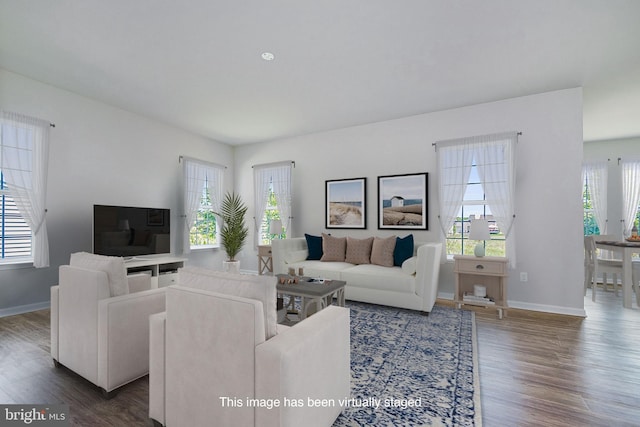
x=100, y=320
x=213, y=361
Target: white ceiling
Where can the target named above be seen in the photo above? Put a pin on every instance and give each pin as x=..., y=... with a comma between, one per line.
x=196, y=64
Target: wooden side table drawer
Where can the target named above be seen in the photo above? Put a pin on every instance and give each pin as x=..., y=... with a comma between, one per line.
x=480, y=266
x=264, y=250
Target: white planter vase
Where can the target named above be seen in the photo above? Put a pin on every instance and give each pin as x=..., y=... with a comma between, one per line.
x=231, y=266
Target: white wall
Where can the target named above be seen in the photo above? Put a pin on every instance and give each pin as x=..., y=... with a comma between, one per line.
x=549, y=211
x=101, y=154
x=612, y=150
x=98, y=155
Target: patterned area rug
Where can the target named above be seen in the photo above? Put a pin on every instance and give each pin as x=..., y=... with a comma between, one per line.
x=412, y=370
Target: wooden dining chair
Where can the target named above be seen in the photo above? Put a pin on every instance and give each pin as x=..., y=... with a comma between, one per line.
x=596, y=266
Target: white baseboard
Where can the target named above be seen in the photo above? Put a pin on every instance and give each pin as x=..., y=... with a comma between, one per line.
x=21, y=309
x=532, y=307
x=554, y=309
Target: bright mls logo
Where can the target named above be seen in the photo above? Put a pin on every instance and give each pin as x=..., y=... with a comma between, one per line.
x=34, y=415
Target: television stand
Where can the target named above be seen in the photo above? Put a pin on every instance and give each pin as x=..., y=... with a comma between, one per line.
x=163, y=270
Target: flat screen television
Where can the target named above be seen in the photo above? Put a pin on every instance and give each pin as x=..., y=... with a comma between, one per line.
x=128, y=231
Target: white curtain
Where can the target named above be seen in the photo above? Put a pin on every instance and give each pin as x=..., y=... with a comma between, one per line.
x=495, y=161
x=630, y=193
x=280, y=175
x=282, y=188
x=24, y=160
x=595, y=173
x=196, y=175
x=454, y=167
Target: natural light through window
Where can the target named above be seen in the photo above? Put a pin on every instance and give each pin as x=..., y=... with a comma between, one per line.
x=271, y=214
x=474, y=206
x=204, y=233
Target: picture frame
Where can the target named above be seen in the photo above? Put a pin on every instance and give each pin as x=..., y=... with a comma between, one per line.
x=403, y=202
x=346, y=203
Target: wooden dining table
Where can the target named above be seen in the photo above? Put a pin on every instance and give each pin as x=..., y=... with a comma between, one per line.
x=626, y=249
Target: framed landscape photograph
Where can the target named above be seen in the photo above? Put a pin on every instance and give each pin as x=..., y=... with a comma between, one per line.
x=345, y=201
x=402, y=201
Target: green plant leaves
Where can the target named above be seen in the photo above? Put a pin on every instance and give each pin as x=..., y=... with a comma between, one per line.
x=233, y=233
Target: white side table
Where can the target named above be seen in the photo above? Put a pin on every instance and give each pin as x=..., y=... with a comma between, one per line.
x=265, y=260
x=490, y=272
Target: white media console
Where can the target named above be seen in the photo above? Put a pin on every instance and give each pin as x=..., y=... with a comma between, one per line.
x=163, y=270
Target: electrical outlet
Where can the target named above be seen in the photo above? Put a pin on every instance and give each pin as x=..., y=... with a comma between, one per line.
x=524, y=276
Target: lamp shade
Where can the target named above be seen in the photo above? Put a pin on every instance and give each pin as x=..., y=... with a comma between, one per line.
x=479, y=230
x=275, y=227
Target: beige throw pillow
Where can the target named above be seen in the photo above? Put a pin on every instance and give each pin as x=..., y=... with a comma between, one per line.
x=333, y=248
x=382, y=251
x=359, y=250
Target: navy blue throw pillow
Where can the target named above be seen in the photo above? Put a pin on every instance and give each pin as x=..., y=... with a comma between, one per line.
x=403, y=250
x=314, y=245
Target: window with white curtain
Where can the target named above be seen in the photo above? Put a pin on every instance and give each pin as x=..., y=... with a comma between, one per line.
x=24, y=156
x=273, y=199
x=474, y=206
x=630, y=194
x=476, y=179
x=203, y=192
x=594, y=197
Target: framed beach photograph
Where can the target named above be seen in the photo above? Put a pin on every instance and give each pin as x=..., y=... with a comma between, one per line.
x=345, y=201
x=402, y=201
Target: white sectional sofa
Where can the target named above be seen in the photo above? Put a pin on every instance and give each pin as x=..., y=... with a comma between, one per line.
x=414, y=285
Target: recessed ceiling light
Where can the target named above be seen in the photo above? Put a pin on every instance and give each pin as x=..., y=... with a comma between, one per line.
x=268, y=56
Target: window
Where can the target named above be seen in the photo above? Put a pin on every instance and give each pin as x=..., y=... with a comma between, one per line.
x=271, y=215
x=272, y=185
x=24, y=155
x=476, y=178
x=204, y=232
x=474, y=206
x=594, y=196
x=589, y=220
x=630, y=170
x=203, y=184
x=15, y=242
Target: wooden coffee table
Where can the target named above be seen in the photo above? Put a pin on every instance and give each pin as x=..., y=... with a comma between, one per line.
x=312, y=292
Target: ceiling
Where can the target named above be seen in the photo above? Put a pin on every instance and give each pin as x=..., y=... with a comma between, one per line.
x=197, y=64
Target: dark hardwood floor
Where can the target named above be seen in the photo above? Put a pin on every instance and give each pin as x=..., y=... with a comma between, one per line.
x=535, y=370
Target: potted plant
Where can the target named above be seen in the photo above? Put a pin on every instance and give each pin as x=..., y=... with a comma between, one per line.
x=233, y=232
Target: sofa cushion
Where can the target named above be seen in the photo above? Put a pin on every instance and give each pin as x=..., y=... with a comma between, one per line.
x=382, y=251
x=296, y=256
x=112, y=266
x=371, y=276
x=333, y=248
x=359, y=250
x=261, y=288
x=327, y=270
x=403, y=250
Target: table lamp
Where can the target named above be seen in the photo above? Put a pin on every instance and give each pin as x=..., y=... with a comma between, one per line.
x=275, y=227
x=479, y=230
